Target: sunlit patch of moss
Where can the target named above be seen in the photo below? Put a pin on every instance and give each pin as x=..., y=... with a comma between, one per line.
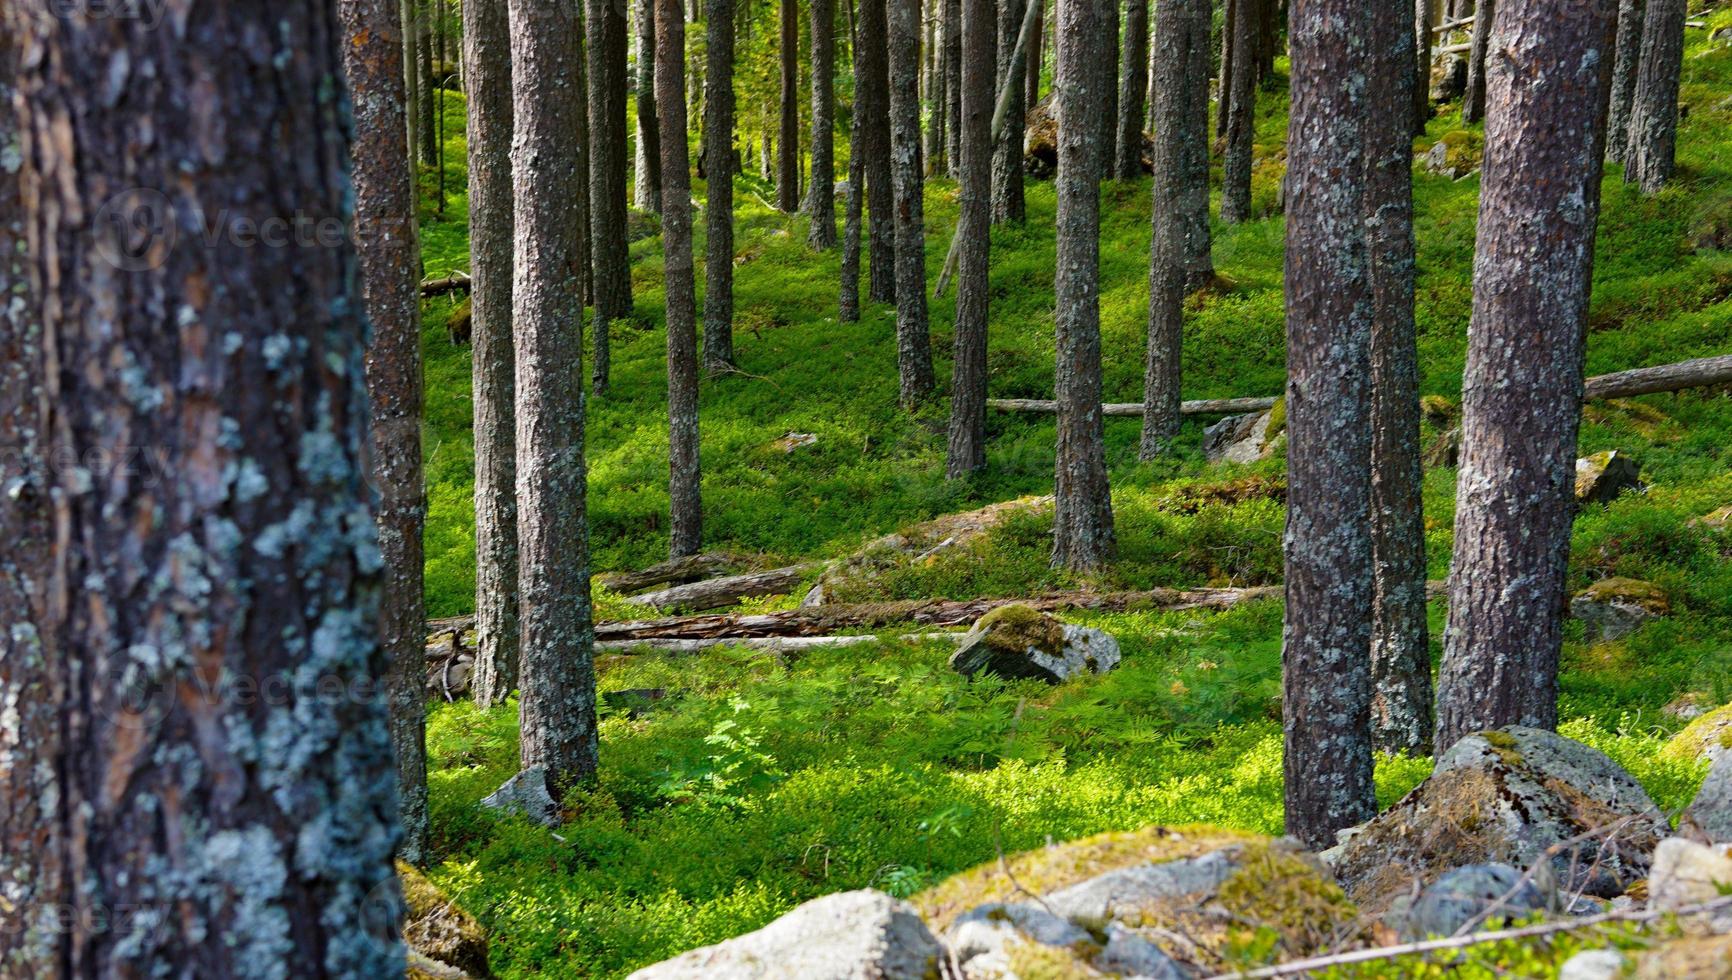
x=1276, y=888
x=1015, y=628
x=1710, y=729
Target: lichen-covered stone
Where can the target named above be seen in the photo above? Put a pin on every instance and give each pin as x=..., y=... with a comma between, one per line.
x=1709, y=818
x=438, y=930
x=858, y=935
x=1242, y=438
x=1600, y=478
x=1475, y=892
x=1017, y=642
x=1709, y=737
x=1595, y=964
x=1687, y=873
x=1613, y=608
x=1705, y=958
x=526, y=793
x=1507, y=796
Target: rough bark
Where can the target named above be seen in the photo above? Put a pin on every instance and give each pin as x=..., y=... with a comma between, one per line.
x=212, y=602
x=953, y=68
x=411, y=72
x=684, y=474
x=848, y=302
x=1133, y=87
x=967, y=443
x=934, y=93
x=1224, y=75
x=1241, y=100
x=1425, y=14
x=1108, y=49
x=425, y=83
x=1008, y=202
x=1522, y=390
x=1400, y=657
x=556, y=707
x=1083, y=537
x=1036, y=57
x=1653, y=138
x=1473, y=100
x=1629, y=60
x=647, y=164
x=913, y=338
x=487, y=84
x=1179, y=255
x=821, y=197
x=727, y=590
x=788, y=137
x=1326, y=638
x=719, y=195
x=389, y=257
x=872, y=101
x=609, y=255
x=674, y=571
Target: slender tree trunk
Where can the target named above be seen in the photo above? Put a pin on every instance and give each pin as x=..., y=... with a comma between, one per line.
x=1133, y=85
x=1522, y=391
x=821, y=198
x=848, y=304
x=609, y=254
x=1179, y=257
x=719, y=200
x=32, y=856
x=1425, y=17
x=1036, y=59
x=1083, y=536
x=936, y=96
x=1110, y=89
x=425, y=81
x=686, y=524
x=913, y=340
x=1629, y=60
x=1473, y=100
x=952, y=87
x=1326, y=676
x=412, y=77
x=647, y=167
x=1653, y=138
x=1229, y=20
x=1008, y=202
x=872, y=98
x=580, y=204
x=557, y=706
x=1241, y=111
x=1400, y=657
x=236, y=835
x=390, y=278
x=967, y=451
x=493, y=350
x=788, y=164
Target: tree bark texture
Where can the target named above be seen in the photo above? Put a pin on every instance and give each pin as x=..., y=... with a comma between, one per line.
x=1036, y=58
x=225, y=797
x=1425, y=15
x=934, y=93
x=1400, y=657
x=967, y=449
x=607, y=165
x=1624, y=68
x=1522, y=390
x=1473, y=100
x=821, y=198
x=556, y=707
x=684, y=473
x=1241, y=102
x=719, y=173
x=848, y=301
x=1133, y=87
x=411, y=72
x=913, y=334
x=389, y=256
x=1109, y=50
x=647, y=165
x=1653, y=138
x=426, y=83
x=788, y=137
x=952, y=87
x=872, y=100
x=1224, y=73
x=1008, y=200
x=1179, y=256
x=1326, y=639
x=493, y=350
x=1083, y=536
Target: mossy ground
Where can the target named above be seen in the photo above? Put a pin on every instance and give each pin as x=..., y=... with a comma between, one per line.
x=764, y=781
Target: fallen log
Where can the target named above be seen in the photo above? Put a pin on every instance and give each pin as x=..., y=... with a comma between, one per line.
x=456, y=282
x=674, y=571
x=777, y=644
x=1202, y=406
x=726, y=591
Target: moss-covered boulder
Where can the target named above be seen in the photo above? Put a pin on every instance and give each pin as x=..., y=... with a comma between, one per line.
x=1688, y=874
x=1709, y=737
x=441, y=937
x=856, y=577
x=1600, y=478
x=1709, y=818
x=1018, y=642
x=1613, y=608
x=1508, y=796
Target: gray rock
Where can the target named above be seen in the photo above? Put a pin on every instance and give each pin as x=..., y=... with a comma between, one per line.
x=526, y=793
x=988, y=929
x=1016, y=642
x=858, y=935
x=1595, y=964
x=1709, y=818
x=1453, y=82
x=1600, y=478
x=1687, y=873
x=1130, y=955
x=1614, y=608
x=1130, y=889
x=1238, y=438
x=1464, y=894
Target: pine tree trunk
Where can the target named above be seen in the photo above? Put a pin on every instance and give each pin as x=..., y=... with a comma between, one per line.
x=1473, y=100
x=872, y=98
x=1326, y=639
x=967, y=449
x=1179, y=257
x=1241, y=101
x=1653, y=138
x=1624, y=69
x=1229, y=17
x=952, y=87
x=848, y=302
x=1400, y=657
x=607, y=175
x=1133, y=85
x=1036, y=59
x=788, y=164
x=647, y=168
x=390, y=281
x=1110, y=90
x=580, y=205
x=412, y=76
x=557, y=704
x=32, y=866
x=719, y=198
x=1083, y=536
x=821, y=198
x=913, y=340
x=684, y=477
x=429, y=141
x=935, y=92
x=493, y=351
x=232, y=834
x=1522, y=390
x=1008, y=201
x=1425, y=17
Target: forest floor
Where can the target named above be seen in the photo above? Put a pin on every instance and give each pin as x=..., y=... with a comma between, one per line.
x=766, y=781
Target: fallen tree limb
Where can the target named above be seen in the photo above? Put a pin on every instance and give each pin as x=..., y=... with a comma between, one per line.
x=1203, y=406
x=773, y=643
x=726, y=591
x=674, y=571
x=456, y=282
